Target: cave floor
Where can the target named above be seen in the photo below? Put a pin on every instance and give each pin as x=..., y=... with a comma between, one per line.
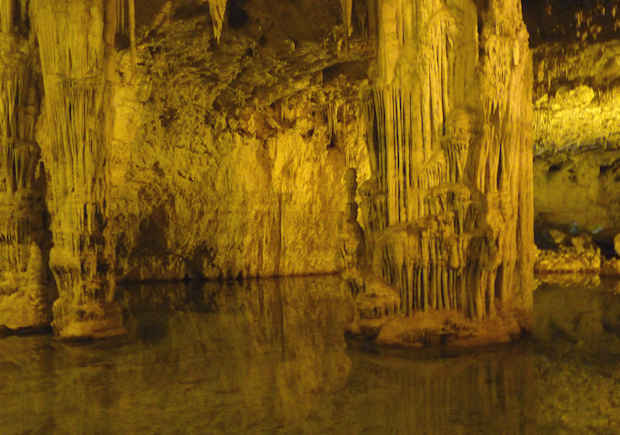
x=270, y=356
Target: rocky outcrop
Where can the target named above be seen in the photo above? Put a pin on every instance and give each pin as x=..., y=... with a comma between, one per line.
x=579, y=191
x=226, y=162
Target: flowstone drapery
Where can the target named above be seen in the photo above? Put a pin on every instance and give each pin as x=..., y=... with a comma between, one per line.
x=24, y=296
x=448, y=214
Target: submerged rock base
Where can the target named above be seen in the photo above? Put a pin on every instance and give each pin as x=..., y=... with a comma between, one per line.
x=452, y=329
x=379, y=318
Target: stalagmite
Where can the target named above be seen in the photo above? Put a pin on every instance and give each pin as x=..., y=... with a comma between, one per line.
x=452, y=155
x=217, y=8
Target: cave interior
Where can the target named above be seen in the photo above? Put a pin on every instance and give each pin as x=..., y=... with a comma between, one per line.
x=441, y=156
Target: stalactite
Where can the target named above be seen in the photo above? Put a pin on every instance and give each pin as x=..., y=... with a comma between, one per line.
x=122, y=23
x=217, y=9
x=122, y=16
x=7, y=14
x=131, y=10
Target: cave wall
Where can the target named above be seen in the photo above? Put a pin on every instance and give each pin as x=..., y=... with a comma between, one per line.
x=577, y=116
x=24, y=241
x=173, y=140
x=227, y=158
x=579, y=192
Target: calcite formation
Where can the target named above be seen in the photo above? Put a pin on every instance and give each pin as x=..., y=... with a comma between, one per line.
x=73, y=57
x=208, y=139
x=449, y=218
x=217, y=8
x=24, y=243
x=579, y=191
x=227, y=162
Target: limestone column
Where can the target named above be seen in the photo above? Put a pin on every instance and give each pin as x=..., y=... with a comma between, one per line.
x=502, y=162
x=72, y=134
x=24, y=291
x=450, y=116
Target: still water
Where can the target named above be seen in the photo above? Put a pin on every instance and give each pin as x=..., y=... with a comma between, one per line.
x=271, y=357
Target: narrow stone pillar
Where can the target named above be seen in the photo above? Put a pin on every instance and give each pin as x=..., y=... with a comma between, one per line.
x=24, y=290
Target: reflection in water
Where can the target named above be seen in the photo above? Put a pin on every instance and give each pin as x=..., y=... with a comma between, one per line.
x=574, y=317
x=270, y=357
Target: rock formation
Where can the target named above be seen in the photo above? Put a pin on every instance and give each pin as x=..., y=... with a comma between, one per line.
x=577, y=117
x=73, y=55
x=160, y=140
x=24, y=296
x=217, y=8
x=451, y=155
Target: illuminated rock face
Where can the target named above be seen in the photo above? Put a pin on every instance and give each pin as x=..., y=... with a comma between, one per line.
x=451, y=202
x=578, y=191
x=24, y=296
x=232, y=168
x=202, y=145
x=73, y=140
x=576, y=118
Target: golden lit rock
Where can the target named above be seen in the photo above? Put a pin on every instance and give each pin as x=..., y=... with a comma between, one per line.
x=25, y=299
x=452, y=158
x=73, y=139
x=208, y=139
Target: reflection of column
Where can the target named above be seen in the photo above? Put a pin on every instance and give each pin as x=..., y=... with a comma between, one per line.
x=70, y=35
x=23, y=245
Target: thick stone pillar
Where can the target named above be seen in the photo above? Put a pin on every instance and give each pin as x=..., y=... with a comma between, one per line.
x=450, y=142
x=73, y=140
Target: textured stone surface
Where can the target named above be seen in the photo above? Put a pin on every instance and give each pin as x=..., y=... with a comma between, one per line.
x=579, y=191
x=577, y=117
x=181, y=140
x=449, y=213
x=75, y=49
x=232, y=167
x=25, y=290
x=568, y=260
x=577, y=96
x=208, y=139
